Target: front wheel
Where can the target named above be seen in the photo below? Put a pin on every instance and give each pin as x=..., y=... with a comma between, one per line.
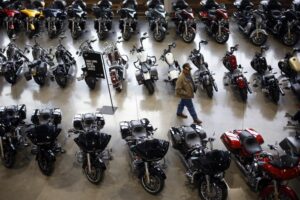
x=244, y=94
x=290, y=40
x=189, y=36
x=91, y=82
x=101, y=35
x=259, y=39
x=218, y=190
x=126, y=35
x=149, y=85
x=96, y=174
x=275, y=94
x=46, y=165
x=40, y=80
x=222, y=38
x=11, y=78
x=209, y=90
x=61, y=80
x=9, y=157
x=159, y=35
x=11, y=33
x=155, y=184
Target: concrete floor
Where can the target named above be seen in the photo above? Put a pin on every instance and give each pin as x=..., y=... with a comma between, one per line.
x=224, y=112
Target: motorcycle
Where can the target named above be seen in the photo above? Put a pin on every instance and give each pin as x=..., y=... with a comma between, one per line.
x=235, y=75
x=92, y=143
x=12, y=137
x=205, y=166
x=65, y=62
x=242, y=6
x=269, y=82
x=54, y=18
x=104, y=14
x=184, y=21
x=90, y=72
x=282, y=24
x=216, y=22
x=43, y=134
x=265, y=173
x=11, y=18
x=38, y=69
x=2, y=59
x=146, y=72
x=203, y=75
x=291, y=145
x=145, y=153
x=156, y=16
x=253, y=25
x=77, y=18
x=117, y=64
x=296, y=8
x=174, y=68
x=290, y=68
x=128, y=18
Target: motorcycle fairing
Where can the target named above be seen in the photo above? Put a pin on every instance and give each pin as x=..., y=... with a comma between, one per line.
x=31, y=13
x=294, y=63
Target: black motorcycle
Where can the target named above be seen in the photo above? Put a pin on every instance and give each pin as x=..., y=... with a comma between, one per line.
x=291, y=145
x=77, y=18
x=92, y=144
x=184, y=21
x=205, y=166
x=2, y=59
x=296, y=7
x=269, y=83
x=54, y=18
x=104, y=14
x=290, y=68
x=65, y=62
x=242, y=6
x=253, y=25
x=146, y=72
x=38, y=68
x=203, y=75
x=12, y=137
x=156, y=16
x=43, y=134
x=128, y=18
x=145, y=153
x=90, y=72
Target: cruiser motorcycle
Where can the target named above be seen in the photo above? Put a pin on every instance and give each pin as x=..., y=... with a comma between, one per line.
x=77, y=18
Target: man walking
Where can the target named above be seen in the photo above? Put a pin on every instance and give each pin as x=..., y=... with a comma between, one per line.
x=185, y=89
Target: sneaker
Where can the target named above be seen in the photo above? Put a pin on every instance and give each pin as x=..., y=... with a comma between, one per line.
x=181, y=115
x=198, y=122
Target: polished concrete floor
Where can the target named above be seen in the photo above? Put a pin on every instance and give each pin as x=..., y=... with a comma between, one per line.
x=225, y=111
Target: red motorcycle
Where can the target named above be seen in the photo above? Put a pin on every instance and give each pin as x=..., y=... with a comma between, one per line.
x=265, y=173
x=235, y=75
x=216, y=22
x=11, y=17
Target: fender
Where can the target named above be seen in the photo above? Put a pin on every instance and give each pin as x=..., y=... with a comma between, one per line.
x=152, y=170
x=47, y=153
x=263, y=31
x=99, y=163
x=282, y=189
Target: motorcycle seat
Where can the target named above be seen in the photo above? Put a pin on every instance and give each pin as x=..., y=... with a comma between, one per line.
x=285, y=162
x=249, y=142
x=192, y=139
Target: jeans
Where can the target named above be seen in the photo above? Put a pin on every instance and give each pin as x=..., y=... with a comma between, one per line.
x=190, y=106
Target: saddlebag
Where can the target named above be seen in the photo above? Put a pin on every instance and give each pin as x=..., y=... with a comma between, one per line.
x=296, y=89
x=77, y=122
x=231, y=141
x=125, y=129
x=176, y=138
x=291, y=144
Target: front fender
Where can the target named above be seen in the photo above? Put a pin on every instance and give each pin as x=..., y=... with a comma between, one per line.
x=282, y=189
x=152, y=170
x=99, y=163
x=46, y=153
x=258, y=31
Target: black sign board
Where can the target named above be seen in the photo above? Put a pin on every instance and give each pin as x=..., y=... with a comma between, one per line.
x=94, y=64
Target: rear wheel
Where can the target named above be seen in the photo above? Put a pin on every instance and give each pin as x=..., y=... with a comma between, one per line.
x=155, y=184
x=96, y=174
x=218, y=190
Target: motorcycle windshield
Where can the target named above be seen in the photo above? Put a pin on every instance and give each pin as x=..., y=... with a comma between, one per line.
x=43, y=134
x=92, y=141
x=124, y=12
x=49, y=12
x=151, y=150
x=213, y=162
x=75, y=11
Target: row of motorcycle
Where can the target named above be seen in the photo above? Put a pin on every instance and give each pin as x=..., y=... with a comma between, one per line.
x=146, y=74
x=253, y=23
x=265, y=173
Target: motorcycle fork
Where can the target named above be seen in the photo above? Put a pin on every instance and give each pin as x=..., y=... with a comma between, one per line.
x=147, y=173
x=185, y=28
x=219, y=27
x=289, y=29
x=276, y=194
x=99, y=25
x=89, y=162
x=207, y=184
x=124, y=26
x=1, y=147
x=156, y=27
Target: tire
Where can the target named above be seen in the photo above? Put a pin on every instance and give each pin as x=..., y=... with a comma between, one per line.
x=209, y=90
x=75, y=35
x=156, y=183
x=119, y=88
x=190, y=36
x=11, y=33
x=275, y=94
x=51, y=34
x=40, y=80
x=244, y=94
x=174, y=82
x=290, y=41
x=91, y=82
x=259, y=40
x=221, y=39
x=10, y=78
x=219, y=189
x=95, y=176
x=9, y=157
x=282, y=196
x=150, y=87
x=61, y=80
x=46, y=165
x=101, y=35
x=160, y=35
x=126, y=35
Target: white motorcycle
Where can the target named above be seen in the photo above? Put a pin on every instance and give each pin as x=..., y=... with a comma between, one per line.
x=174, y=68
